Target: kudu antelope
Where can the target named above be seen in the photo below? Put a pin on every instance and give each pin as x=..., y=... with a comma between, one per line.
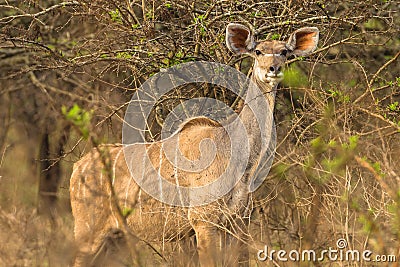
x=154, y=221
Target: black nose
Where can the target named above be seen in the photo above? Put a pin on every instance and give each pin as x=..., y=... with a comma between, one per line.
x=275, y=69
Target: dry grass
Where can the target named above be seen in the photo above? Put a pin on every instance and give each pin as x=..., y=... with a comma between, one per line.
x=32, y=240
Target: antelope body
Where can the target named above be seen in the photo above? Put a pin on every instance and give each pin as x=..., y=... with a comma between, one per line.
x=155, y=222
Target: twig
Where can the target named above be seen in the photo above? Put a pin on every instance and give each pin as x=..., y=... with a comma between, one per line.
x=390, y=61
x=327, y=47
x=45, y=87
x=365, y=164
x=379, y=117
x=312, y=19
x=35, y=16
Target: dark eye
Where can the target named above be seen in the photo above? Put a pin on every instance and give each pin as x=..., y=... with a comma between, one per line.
x=258, y=52
x=284, y=52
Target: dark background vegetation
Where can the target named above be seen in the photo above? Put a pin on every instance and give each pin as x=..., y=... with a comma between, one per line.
x=68, y=69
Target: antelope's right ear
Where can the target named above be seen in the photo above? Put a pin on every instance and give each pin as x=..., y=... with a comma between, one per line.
x=239, y=39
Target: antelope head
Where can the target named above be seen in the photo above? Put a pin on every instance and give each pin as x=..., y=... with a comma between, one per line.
x=270, y=56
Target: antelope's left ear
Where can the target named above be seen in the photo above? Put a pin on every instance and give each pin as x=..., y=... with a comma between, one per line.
x=303, y=41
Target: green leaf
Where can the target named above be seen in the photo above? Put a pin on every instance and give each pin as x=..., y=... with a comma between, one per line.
x=281, y=168
x=294, y=77
x=374, y=24
x=126, y=211
x=275, y=36
x=393, y=106
x=124, y=55
x=78, y=117
x=116, y=16
x=353, y=141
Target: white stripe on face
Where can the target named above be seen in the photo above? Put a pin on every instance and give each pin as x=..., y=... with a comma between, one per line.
x=272, y=55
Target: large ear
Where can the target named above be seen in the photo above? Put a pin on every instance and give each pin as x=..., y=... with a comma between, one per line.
x=239, y=39
x=303, y=41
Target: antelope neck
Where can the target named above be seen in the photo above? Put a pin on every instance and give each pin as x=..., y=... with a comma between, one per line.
x=268, y=91
x=256, y=93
